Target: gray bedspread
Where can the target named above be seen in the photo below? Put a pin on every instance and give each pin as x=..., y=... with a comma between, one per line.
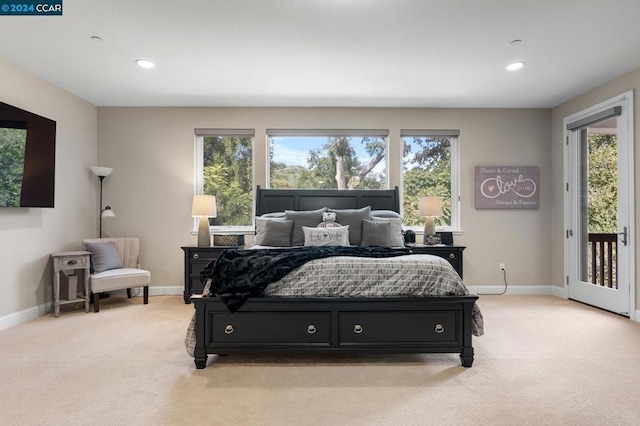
x=411, y=275
x=345, y=276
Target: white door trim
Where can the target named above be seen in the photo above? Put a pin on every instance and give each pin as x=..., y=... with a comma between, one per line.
x=627, y=99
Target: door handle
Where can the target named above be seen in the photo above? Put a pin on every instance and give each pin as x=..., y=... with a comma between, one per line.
x=624, y=235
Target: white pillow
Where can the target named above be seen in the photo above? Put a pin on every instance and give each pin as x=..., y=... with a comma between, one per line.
x=396, y=230
x=317, y=237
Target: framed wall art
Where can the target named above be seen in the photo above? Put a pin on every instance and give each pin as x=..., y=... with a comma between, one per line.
x=507, y=187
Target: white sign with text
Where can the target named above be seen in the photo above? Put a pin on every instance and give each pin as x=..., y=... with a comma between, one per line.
x=507, y=187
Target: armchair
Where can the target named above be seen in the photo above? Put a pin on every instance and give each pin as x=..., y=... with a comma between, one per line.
x=116, y=269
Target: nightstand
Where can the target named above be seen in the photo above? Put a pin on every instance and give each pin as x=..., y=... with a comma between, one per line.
x=452, y=253
x=70, y=261
x=195, y=259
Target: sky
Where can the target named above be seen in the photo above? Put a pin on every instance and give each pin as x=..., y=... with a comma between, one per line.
x=293, y=151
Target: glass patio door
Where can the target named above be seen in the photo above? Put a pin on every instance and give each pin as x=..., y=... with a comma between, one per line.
x=599, y=191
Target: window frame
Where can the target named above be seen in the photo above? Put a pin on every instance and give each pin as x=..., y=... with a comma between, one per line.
x=199, y=135
x=454, y=137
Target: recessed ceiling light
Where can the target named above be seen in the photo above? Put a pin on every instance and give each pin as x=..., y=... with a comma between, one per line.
x=516, y=42
x=145, y=63
x=515, y=66
x=96, y=38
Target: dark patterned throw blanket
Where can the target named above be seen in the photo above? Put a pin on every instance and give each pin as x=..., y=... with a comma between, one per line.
x=237, y=275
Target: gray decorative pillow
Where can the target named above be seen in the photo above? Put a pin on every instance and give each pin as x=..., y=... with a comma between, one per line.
x=278, y=215
x=385, y=213
x=376, y=234
x=104, y=256
x=273, y=232
x=353, y=218
x=300, y=218
x=397, y=239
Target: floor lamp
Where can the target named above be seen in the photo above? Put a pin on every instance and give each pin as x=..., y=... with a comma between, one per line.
x=102, y=172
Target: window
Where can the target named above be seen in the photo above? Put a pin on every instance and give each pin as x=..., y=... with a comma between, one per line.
x=224, y=169
x=327, y=159
x=430, y=167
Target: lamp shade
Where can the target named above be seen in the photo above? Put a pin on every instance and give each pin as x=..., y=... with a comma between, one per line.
x=204, y=205
x=107, y=212
x=430, y=206
x=101, y=171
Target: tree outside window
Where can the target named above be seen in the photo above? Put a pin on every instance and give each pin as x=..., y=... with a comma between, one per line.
x=429, y=169
x=603, y=183
x=227, y=172
x=327, y=162
x=318, y=159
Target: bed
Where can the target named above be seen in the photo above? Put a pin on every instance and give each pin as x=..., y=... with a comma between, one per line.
x=421, y=306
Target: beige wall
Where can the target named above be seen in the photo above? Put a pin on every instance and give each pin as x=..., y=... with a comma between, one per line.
x=152, y=153
x=630, y=81
x=29, y=235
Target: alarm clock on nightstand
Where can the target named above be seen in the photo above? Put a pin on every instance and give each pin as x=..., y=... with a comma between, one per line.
x=409, y=236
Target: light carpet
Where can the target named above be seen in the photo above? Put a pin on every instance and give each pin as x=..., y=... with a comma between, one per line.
x=542, y=361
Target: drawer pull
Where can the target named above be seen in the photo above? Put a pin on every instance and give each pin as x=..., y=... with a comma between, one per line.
x=72, y=262
x=452, y=255
x=195, y=255
x=228, y=329
x=439, y=328
x=311, y=329
x=357, y=329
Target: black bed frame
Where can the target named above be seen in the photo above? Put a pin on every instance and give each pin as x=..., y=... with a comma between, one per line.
x=357, y=325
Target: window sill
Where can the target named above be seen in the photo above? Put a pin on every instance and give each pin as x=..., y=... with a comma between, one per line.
x=419, y=230
x=228, y=230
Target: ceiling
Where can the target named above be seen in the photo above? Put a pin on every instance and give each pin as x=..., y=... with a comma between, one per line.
x=351, y=53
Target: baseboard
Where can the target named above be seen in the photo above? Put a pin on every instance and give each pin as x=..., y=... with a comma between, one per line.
x=25, y=315
x=560, y=292
x=522, y=290
x=166, y=291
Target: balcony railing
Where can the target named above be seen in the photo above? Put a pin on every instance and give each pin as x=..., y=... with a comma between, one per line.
x=603, y=260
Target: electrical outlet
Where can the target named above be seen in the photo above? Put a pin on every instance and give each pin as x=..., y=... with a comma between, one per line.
x=502, y=268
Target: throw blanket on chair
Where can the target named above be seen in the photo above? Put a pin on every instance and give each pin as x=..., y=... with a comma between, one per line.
x=237, y=275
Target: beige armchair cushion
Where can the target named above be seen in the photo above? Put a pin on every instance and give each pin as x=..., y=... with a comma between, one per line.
x=122, y=278
x=117, y=279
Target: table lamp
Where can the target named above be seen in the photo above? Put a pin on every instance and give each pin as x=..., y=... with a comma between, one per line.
x=430, y=207
x=204, y=207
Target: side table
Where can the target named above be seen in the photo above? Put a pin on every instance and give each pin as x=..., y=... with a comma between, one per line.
x=195, y=260
x=452, y=253
x=70, y=261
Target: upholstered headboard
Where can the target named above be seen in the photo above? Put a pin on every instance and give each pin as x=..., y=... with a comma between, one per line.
x=278, y=200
